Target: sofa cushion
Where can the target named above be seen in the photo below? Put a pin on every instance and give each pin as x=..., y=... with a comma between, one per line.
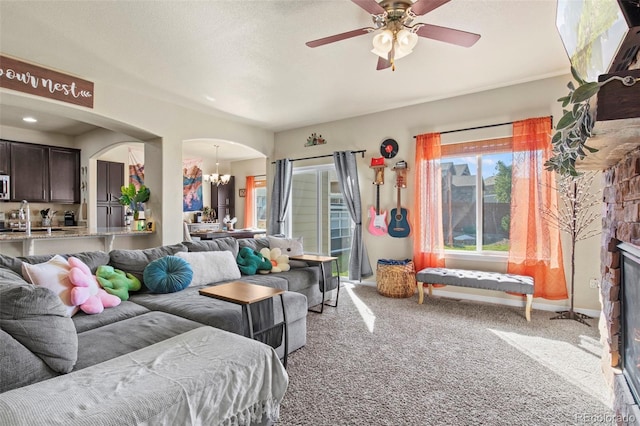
x=168, y=274
x=288, y=246
x=211, y=266
x=123, y=337
x=92, y=259
x=36, y=317
x=19, y=366
x=53, y=275
x=134, y=261
x=256, y=244
x=217, y=244
x=124, y=310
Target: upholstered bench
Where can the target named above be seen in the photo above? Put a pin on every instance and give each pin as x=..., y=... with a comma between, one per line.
x=477, y=279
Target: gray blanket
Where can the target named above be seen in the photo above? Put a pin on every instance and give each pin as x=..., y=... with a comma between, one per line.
x=204, y=376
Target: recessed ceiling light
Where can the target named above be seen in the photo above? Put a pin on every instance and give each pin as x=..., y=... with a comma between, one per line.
x=29, y=119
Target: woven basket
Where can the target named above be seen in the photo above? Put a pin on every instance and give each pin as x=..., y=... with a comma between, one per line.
x=396, y=280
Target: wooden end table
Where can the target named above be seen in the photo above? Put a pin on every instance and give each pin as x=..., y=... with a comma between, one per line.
x=244, y=294
x=322, y=260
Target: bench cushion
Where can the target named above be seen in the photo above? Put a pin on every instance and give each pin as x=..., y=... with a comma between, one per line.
x=477, y=279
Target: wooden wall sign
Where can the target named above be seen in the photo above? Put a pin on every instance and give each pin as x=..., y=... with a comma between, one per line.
x=35, y=80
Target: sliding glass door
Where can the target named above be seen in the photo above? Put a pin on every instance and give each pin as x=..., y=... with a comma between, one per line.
x=318, y=213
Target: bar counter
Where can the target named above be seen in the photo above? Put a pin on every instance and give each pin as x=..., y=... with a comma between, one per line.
x=66, y=233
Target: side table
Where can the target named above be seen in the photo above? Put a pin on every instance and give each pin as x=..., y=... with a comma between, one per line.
x=245, y=294
x=322, y=261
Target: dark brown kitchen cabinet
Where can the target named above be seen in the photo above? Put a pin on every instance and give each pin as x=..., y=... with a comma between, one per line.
x=29, y=172
x=64, y=175
x=110, y=216
x=41, y=173
x=4, y=158
x=223, y=199
x=110, y=176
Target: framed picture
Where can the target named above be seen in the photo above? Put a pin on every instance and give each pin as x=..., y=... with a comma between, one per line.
x=242, y=192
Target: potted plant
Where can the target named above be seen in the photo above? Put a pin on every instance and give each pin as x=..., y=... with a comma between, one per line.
x=134, y=199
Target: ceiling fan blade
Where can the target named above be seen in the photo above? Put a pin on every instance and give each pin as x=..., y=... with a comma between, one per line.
x=338, y=37
x=370, y=6
x=448, y=35
x=383, y=64
x=421, y=7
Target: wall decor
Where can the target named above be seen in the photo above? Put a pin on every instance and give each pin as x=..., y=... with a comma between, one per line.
x=242, y=192
x=136, y=170
x=39, y=81
x=315, y=139
x=389, y=148
x=192, y=185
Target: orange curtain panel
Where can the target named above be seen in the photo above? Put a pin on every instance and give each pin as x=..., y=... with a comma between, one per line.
x=249, y=207
x=428, y=241
x=535, y=247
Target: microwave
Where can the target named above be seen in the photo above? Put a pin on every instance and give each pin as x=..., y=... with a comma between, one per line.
x=5, y=187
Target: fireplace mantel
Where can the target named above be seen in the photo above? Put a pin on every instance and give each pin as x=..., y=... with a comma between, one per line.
x=614, y=139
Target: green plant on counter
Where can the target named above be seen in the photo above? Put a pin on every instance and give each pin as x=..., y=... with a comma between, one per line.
x=131, y=197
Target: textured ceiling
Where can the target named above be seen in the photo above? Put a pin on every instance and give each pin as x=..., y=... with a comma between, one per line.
x=250, y=56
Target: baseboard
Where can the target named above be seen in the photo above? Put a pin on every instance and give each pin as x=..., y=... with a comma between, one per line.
x=498, y=300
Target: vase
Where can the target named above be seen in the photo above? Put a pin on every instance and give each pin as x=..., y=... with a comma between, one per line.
x=46, y=221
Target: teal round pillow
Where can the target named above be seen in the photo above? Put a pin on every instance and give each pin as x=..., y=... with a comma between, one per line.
x=167, y=274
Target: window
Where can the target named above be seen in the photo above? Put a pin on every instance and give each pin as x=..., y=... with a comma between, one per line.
x=476, y=200
x=260, y=202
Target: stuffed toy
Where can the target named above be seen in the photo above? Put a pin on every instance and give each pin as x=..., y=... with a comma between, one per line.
x=86, y=292
x=279, y=261
x=117, y=282
x=250, y=261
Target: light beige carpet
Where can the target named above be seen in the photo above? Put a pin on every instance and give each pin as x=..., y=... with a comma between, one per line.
x=381, y=361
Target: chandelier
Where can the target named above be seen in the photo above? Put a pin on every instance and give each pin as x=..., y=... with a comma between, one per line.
x=216, y=178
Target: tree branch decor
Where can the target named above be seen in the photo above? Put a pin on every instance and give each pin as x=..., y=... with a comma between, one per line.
x=575, y=216
x=576, y=125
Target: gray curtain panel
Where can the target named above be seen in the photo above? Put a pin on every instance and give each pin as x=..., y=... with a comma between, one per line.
x=347, y=171
x=280, y=196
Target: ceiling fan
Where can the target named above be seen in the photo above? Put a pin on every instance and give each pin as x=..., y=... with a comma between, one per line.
x=397, y=37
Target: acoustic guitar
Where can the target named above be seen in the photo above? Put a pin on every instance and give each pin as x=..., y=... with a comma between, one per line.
x=378, y=219
x=398, y=223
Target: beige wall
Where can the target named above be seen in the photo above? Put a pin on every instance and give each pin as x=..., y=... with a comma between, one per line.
x=507, y=104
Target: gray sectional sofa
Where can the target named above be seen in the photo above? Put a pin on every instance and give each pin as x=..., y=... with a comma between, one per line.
x=38, y=342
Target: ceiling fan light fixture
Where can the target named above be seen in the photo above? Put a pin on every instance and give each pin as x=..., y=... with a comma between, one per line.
x=406, y=40
x=382, y=43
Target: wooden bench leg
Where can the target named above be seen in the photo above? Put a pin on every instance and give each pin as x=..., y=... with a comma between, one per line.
x=527, y=312
x=420, y=292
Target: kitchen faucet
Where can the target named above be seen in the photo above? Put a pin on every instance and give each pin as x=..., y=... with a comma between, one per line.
x=26, y=216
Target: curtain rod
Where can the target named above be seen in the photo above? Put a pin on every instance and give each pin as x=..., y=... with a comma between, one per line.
x=362, y=151
x=483, y=127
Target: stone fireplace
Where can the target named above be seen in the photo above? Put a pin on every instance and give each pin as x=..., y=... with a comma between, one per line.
x=621, y=236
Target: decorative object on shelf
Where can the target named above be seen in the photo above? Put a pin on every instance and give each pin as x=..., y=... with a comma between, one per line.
x=206, y=213
x=575, y=216
x=216, y=178
x=134, y=199
x=242, y=192
x=576, y=125
x=389, y=148
x=315, y=140
x=229, y=222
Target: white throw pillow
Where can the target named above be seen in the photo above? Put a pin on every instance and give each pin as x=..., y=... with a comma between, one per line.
x=53, y=275
x=288, y=246
x=211, y=266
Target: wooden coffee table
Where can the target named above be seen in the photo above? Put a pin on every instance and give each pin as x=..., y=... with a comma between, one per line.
x=244, y=294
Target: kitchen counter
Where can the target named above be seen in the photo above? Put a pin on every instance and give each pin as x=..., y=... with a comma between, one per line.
x=40, y=234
